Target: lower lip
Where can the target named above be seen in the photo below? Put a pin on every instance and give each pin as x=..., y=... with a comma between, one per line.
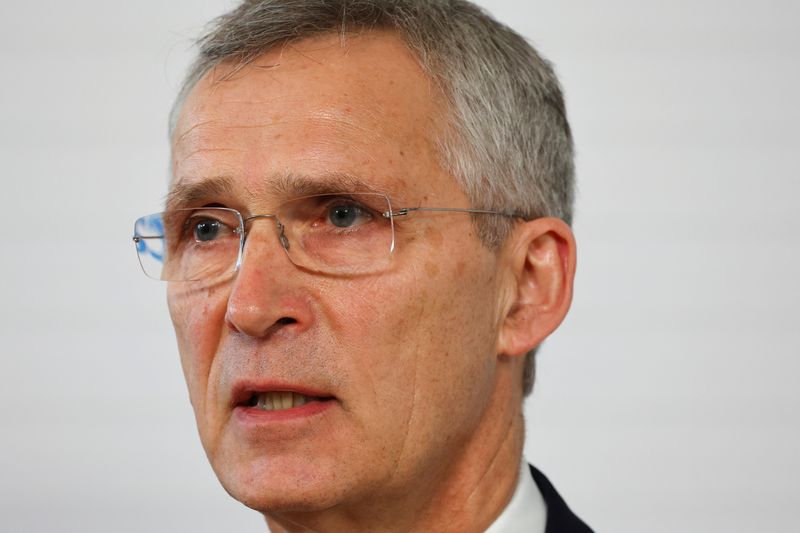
x=253, y=416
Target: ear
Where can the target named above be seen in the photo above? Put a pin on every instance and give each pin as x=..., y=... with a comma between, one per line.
x=540, y=256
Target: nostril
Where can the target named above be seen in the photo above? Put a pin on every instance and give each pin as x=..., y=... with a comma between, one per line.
x=285, y=321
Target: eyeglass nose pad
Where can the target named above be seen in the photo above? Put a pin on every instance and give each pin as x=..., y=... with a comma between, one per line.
x=282, y=237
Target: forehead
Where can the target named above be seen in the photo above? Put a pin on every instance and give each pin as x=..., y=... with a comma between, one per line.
x=358, y=108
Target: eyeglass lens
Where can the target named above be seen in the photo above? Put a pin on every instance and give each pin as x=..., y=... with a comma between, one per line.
x=329, y=233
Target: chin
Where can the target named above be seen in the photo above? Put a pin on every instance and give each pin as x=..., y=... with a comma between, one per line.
x=271, y=485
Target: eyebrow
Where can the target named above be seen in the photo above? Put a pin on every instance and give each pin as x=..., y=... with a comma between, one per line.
x=289, y=186
x=189, y=193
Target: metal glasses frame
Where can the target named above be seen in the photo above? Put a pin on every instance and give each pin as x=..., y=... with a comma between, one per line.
x=389, y=214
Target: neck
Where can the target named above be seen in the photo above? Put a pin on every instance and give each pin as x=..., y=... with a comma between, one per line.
x=467, y=494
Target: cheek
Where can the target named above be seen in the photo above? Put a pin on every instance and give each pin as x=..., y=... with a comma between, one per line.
x=198, y=318
x=438, y=328
x=455, y=323
x=431, y=360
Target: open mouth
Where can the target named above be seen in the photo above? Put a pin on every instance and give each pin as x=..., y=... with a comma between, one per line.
x=281, y=400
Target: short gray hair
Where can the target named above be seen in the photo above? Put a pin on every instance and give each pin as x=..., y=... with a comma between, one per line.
x=507, y=140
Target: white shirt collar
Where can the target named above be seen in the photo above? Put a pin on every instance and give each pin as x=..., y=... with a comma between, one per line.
x=526, y=512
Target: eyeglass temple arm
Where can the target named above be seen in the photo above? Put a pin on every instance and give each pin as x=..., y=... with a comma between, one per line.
x=403, y=211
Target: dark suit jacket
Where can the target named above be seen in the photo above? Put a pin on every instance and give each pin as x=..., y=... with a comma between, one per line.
x=560, y=519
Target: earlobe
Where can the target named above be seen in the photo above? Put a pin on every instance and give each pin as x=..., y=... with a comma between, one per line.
x=541, y=257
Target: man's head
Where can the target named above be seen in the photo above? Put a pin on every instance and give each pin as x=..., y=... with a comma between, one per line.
x=413, y=373
x=505, y=136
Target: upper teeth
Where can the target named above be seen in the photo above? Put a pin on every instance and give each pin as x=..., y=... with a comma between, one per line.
x=270, y=401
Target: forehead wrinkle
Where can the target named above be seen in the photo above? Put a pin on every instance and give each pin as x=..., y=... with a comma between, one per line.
x=194, y=141
x=182, y=136
x=351, y=123
x=198, y=151
x=332, y=116
x=199, y=132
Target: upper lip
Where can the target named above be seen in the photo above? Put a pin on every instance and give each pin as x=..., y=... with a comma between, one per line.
x=244, y=390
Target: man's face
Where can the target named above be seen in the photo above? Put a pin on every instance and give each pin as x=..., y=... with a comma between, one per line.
x=398, y=366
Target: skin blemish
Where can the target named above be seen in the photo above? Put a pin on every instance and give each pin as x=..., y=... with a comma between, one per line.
x=434, y=236
x=432, y=269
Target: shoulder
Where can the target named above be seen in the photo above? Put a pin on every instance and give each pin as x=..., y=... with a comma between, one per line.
x=560, y=518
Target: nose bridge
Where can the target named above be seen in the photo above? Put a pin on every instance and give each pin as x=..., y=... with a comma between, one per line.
x=257, y=299
x=248, y=231
x=254, y=217
x=248, y=222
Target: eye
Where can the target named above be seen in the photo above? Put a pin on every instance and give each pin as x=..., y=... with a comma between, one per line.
x=348, y=215
x=206, y=229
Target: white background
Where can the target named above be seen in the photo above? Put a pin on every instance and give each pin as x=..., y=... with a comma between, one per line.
x=667, y=401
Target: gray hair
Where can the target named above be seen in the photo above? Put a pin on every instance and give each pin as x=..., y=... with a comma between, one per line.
x=506, y=140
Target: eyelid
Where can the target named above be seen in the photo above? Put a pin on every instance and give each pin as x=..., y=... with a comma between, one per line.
x=220, y=209
x=199, y=214
x=360, y=200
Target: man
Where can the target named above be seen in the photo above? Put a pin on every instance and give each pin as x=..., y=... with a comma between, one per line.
x=413, y=160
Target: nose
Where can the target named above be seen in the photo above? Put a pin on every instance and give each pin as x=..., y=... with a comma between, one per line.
x=267, y=295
